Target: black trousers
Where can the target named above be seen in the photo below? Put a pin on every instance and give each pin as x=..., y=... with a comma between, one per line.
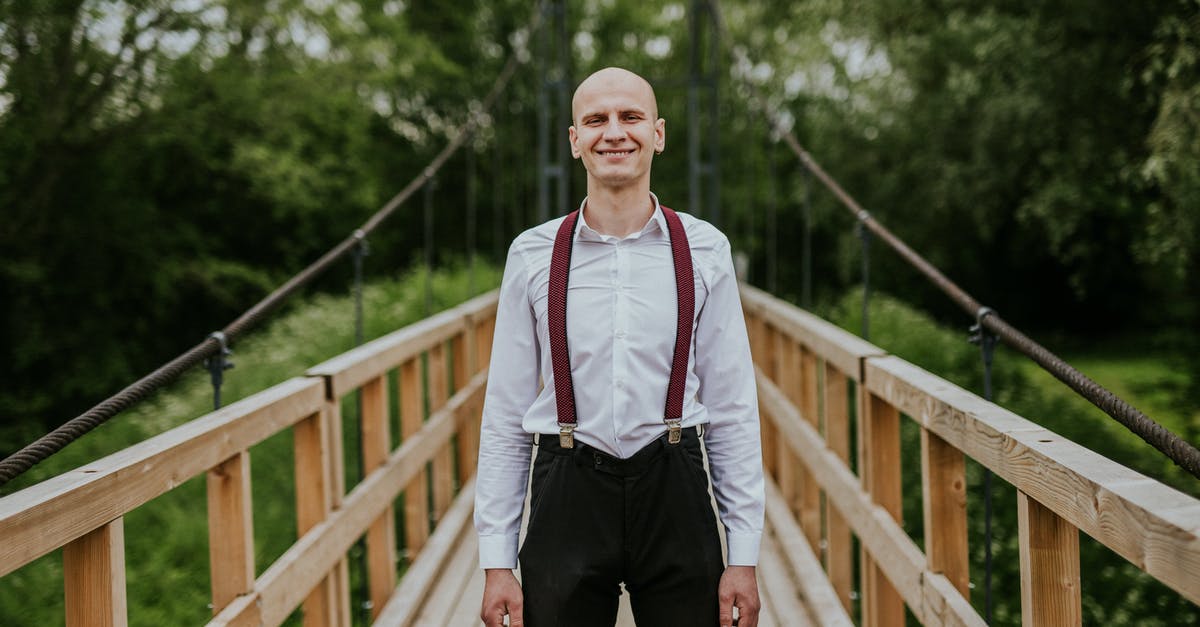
x=597, y=521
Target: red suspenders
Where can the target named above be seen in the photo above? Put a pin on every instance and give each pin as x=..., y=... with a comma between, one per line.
x=560, y=269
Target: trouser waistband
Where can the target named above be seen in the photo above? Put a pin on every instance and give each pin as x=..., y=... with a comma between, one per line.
x=635, y=464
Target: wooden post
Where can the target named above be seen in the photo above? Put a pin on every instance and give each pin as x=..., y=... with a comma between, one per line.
x=944, y=495
x=810, y=493
x=879, y=436
x=838, y=558
x=335, y=458
x=416, y=495
x=230, y=530
x=310, y=441
x=767, y=432
x=381, y=536
x=1049, y=547
x=94, y=578
x=468, y=425
x=788, y=379
x=443, y=461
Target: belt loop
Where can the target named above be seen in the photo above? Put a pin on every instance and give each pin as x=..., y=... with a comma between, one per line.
x=537, y=439
x=700, y=430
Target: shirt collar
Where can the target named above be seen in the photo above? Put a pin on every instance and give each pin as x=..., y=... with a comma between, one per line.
x=656, y=219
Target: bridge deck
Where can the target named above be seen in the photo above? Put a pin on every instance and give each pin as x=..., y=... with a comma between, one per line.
x=455, y=589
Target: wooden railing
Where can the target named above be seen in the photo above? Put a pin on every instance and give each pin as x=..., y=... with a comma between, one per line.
x=808, y=372
x=81, y=511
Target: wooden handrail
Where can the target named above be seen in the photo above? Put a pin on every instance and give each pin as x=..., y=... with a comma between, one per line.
x=82, y=510
x=1063, y=487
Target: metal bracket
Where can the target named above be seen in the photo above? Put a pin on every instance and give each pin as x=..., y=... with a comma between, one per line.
x=566, y=437
x=217, y=365
x=674, y=431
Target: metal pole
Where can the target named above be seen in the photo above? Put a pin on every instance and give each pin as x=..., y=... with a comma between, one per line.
x=429, y=187
x=865, y=236
x=470, y=220
x=987, y=347
x=360, y=251
x=806, y=242
x=772, y=218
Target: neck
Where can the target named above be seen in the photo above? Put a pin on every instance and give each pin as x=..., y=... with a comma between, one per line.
x=618, y=212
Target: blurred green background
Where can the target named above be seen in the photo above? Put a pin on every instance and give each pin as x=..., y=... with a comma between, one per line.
x=164, y=164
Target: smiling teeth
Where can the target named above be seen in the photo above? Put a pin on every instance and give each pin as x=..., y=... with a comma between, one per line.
x=616, y=152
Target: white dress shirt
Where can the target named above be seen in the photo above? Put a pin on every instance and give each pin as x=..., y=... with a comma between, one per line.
x=621, y=325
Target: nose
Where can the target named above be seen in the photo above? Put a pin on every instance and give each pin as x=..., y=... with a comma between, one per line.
x=613, y=131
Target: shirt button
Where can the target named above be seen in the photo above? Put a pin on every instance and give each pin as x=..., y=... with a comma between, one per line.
x=621, y=333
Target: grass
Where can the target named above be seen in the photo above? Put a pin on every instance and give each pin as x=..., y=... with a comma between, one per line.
x=167, y=539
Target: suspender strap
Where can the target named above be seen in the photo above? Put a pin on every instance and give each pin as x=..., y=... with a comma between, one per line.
x=560, y=270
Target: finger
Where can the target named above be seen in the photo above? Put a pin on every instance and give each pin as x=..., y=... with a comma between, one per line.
x=516, y=615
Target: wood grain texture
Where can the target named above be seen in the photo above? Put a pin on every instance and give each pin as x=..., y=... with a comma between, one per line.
x=230, y=530
x=835, y=345
x=879, y=430
x=311, y=452
x=887, y=544
x=416, y=494
x=818, y=594
x=279, y=590
x=944, y=499
x=1154, y=526
x=44, y=517
x=351, y=369
x=1049, y=547
x=381, y=537
x=94, y=578
x=839, y=557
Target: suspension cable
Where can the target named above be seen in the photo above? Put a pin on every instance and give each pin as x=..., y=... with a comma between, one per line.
x=56, y=440
x=1176, y=448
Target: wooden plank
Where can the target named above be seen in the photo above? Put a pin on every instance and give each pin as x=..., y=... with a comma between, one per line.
x=443, y=462
x=230, y=530
x=310, y=441
x=879, y=429
x=94, y=577
x=440, y=604
x=1049, y=547
x=839, y=561
x=402, y=608
x=944, y=498
x=835, y=345
x=806, y=399
x=44, y=517
x=818, y=593
x=892, y=551
x=286, y=582
x=381, y=537
x=779, y=596
x=351, y=369
x=471, y=601
x=416, y=499
x=1154, y=526
x=335, y=469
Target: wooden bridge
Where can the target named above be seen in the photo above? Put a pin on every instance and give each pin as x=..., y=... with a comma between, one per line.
x=822, y=493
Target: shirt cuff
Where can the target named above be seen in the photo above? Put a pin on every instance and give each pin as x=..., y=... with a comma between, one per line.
x=501, y=551
x=742, y=546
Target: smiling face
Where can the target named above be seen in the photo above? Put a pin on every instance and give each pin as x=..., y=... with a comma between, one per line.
x=617, y=130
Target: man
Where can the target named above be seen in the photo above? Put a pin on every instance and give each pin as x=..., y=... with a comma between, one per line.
x=621, y=308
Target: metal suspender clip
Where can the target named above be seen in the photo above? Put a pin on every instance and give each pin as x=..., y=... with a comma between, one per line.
x=566, y=439
x=674, y=428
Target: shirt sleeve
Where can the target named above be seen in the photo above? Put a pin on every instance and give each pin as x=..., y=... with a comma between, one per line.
x=504, y=446
x=728, y=390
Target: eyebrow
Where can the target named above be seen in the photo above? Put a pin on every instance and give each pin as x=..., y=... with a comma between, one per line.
x=591, y=114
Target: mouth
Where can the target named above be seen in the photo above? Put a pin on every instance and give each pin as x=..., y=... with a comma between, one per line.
x=616, y=153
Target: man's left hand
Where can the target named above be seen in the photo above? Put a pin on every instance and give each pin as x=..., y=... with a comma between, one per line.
x=738, y=588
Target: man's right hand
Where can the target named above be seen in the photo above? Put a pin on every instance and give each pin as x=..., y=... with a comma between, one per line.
x=502, y=597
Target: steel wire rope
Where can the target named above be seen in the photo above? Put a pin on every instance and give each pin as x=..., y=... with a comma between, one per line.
x=53, y=442
x=1180, y=451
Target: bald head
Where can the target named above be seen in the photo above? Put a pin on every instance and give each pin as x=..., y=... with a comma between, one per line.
x=612, y=79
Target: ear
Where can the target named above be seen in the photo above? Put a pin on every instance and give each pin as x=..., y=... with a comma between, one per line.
x=573, y=136
x=660, y=135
